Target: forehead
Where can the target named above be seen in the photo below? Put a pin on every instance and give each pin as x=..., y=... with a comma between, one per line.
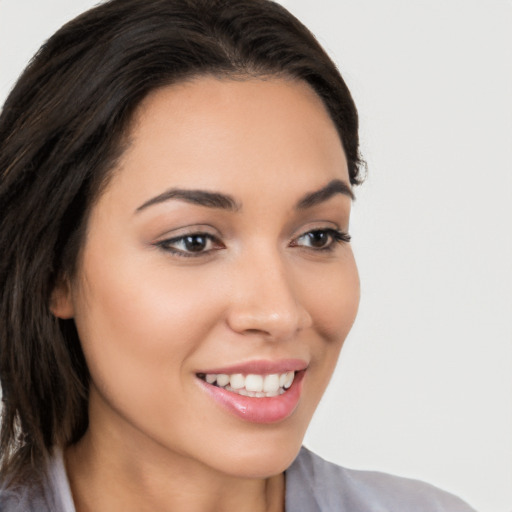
x=214, y=132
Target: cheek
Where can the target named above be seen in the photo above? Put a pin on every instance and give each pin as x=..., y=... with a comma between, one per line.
x=138, y=328
x=333, y=300
x=333, y=304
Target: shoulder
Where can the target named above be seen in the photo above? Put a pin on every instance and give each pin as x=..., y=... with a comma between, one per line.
x=42, y=491
x=27, y=498
x=329, y=487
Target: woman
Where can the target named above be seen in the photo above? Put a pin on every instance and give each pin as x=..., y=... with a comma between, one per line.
x=176, y=274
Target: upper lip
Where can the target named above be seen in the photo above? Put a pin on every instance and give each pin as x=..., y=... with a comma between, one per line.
x=260, y=367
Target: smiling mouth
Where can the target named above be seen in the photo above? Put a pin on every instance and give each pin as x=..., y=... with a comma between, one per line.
x=251, y=385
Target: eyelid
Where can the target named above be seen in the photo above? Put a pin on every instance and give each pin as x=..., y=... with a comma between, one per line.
x=337, y=237
x=178, y=236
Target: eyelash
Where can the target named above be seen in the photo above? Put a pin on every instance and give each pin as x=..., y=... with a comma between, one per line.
x=167, y=245
x=336, y=237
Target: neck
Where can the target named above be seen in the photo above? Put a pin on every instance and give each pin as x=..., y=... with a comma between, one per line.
x=106, y=475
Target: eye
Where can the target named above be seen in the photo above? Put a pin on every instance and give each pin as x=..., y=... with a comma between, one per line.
x=321, y=239
x=191, y=245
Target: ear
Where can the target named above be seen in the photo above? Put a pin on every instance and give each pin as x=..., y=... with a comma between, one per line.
x=61, y=304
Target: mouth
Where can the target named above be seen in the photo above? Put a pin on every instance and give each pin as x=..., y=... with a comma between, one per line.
x=251, y=385
x=256, y=391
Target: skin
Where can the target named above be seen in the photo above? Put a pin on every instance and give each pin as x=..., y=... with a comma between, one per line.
x=149, y=319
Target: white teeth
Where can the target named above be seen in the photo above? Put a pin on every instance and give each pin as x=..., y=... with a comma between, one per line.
x=271, y=383
x=222, y=380
x=252, y=385
x=289, y=380
x=237, y=381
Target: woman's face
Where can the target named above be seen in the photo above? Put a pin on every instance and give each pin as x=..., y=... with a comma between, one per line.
x=217, y=253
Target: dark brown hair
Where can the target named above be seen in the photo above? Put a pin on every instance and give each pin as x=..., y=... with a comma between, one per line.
x=61, y=130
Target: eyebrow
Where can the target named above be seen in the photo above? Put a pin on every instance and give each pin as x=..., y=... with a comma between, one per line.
x=325, y=193
x=227, y=202
x=199, y=197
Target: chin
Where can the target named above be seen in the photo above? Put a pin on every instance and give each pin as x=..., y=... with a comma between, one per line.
x=265, y=464
x=260, y=456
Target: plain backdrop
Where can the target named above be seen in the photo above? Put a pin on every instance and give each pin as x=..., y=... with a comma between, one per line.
x=424, y=386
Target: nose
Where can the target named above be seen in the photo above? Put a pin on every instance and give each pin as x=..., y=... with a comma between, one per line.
x=265, y=300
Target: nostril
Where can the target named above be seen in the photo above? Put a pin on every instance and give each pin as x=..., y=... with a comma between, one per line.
x=268, y=322
x=264, y=300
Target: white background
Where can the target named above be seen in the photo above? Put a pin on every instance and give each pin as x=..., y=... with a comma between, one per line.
x=424, y=385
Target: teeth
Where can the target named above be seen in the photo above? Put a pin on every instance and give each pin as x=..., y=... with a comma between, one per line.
x=252, y=385
x=289, y=380
x=237, y=381
x=271, y=383
x=222, y=380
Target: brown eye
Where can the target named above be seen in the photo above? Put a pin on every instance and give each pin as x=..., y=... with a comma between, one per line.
x=318, y=239
x=194, y=244
x=321, y=239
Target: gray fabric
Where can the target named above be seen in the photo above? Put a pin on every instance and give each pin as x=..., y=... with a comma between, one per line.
x=312, y=485
x=53, y=495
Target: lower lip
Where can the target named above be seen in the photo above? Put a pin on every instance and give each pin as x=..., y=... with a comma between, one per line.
x=258, y=410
